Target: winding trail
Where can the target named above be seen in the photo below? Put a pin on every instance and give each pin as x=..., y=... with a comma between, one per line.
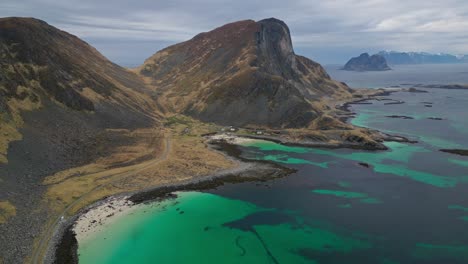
x=40, y=251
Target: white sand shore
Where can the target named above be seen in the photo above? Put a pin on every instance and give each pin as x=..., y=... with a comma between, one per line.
x=232, y=139
x=95, y=219
x=108, y=211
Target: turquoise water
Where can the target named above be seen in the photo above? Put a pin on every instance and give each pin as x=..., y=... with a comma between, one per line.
x=210, y=235
x=400, y=153
x=409, y=206
x=401, y=75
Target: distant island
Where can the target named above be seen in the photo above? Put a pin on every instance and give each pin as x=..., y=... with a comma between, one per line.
x=365, y=62
x=396, y=57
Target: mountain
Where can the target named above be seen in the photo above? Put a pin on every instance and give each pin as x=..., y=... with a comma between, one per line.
x=463, y=58
x=367, y=63
x=395, y=57
x=243, y=73
x=62, y=105
x=57, y=78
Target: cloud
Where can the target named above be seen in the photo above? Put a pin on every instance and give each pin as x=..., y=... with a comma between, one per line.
x=319, y=28
x=143, y=27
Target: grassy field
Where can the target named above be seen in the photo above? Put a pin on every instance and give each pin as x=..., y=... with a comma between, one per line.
x=11, y=120
x=7, y=210
x=67, y=186
x=187, y=157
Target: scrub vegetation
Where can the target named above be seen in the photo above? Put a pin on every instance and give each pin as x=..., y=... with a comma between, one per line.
x=7, y=210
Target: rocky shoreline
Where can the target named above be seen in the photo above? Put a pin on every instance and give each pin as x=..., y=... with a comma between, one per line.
x=64, y=245
x=365, y=100
x=314, y=144
x=344, y=116
x=346, y=108
x=443, y=86
x=460, y=152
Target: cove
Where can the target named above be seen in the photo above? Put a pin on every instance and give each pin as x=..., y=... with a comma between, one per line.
x=408, y=206
x=209, y=233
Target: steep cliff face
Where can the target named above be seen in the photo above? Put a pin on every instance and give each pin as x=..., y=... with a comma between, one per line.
x=241, y=73
x=365, y=62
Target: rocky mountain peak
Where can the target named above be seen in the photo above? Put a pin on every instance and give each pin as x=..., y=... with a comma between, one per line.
x=241, y=73
x=275, y=46
x=364, y=55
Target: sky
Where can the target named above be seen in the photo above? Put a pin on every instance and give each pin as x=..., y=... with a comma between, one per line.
x=327, y=31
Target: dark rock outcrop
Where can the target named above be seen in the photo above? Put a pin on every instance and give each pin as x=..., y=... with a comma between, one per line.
x=367, y=63
x=364, y=164
x=414, y=90
x=461, y=152
x=400, y=117
x=444, y=86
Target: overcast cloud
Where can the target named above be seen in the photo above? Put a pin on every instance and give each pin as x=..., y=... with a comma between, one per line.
x=328, y=31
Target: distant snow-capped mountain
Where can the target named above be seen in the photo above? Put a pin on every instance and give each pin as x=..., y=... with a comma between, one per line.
x=396, y=57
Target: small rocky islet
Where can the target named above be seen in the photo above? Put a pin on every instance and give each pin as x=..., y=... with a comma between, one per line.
x=365, y=62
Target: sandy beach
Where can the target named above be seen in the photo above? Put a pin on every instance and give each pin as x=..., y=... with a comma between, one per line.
x=96, y=218
x=103, y=213
x=231, y=139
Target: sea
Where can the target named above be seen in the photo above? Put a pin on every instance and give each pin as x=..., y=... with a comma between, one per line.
x=403, y=75
x=409, y=205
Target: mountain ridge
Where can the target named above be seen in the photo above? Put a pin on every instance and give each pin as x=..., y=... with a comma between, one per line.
x=397, y=57
x=251, y=60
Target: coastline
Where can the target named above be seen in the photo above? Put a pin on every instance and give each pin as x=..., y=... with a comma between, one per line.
x=64, y=244
x=345, y=115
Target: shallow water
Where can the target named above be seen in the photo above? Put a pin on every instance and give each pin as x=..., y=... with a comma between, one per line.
x=409, y=206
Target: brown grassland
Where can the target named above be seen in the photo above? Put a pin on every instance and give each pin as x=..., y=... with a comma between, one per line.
x=169, y=155
x=7, y=210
